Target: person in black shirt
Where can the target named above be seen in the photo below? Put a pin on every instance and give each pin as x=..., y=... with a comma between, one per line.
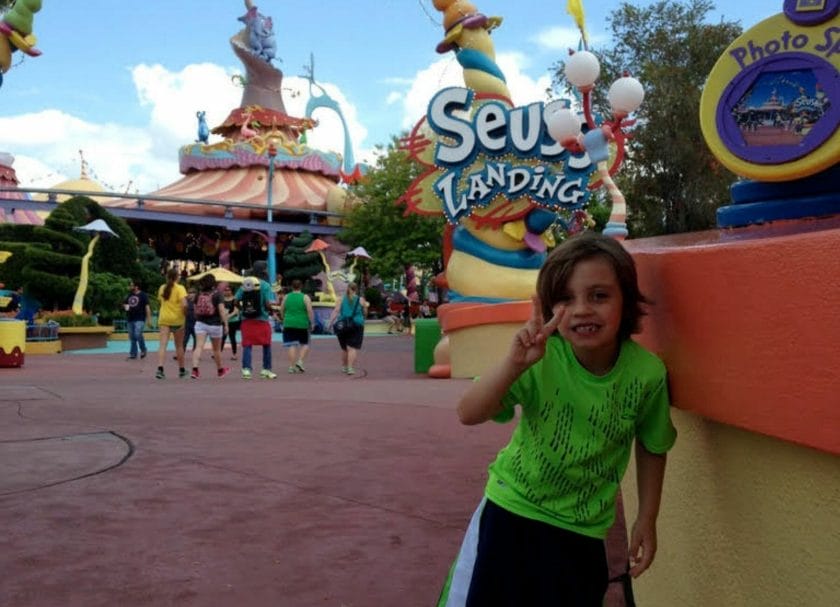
x=138, y=316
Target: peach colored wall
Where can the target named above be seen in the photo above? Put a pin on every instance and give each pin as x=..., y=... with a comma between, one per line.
x=748, y=324
x=746, y=520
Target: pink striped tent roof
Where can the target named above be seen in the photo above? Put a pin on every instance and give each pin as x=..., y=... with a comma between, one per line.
x=298, y=190
x=23, y=217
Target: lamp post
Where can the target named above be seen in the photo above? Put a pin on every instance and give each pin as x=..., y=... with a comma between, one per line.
x=319, y=246
x=357, y=253
x=272, y=235
x=98, y=228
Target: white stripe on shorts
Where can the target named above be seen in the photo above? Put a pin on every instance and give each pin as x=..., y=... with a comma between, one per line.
x=463, y=570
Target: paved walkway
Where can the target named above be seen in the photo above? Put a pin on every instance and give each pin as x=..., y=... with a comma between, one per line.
x=315, y=489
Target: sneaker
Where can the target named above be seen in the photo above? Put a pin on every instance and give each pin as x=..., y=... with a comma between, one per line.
x=350, y=371
x=292, y=369
x=223, y=371
x=268, y=374
x=195, y=373
x=143, y=354
x=182, y=373
x=299, y=365
x=131, y=358
x=246, y=373
x=160, y=374
x=344, y=370
x=233, y=357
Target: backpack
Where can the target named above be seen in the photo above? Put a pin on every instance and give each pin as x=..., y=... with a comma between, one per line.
x=204, y=305
x=251, y=304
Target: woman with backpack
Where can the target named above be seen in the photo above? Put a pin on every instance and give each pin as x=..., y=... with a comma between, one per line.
x=211, y=321
x=255, y=298
x=348, y=323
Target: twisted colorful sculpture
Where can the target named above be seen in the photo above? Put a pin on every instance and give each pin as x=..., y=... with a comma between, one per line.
x=492, y=170
x=16, y=33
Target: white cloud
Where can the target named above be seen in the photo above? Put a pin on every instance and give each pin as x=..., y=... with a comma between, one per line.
x=329, y=134
x=46, y=143
x=447, y=72
x=562, y=38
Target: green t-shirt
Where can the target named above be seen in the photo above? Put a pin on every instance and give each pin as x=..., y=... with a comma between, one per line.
x=567, y=455
x=295, y=315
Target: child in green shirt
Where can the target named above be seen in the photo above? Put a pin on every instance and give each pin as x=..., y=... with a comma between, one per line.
x=586, y=391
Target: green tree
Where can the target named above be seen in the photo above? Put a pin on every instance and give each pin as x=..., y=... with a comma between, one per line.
x=380, y=223
x=670, y=179
x=105, y=295
x=298, y=264
x=47, y=259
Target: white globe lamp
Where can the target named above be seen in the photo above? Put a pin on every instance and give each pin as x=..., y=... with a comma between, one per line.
x=582, y=69
x=625, y=95
x=563, y=125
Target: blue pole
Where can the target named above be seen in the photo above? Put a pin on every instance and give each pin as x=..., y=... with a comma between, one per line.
x=272, y=236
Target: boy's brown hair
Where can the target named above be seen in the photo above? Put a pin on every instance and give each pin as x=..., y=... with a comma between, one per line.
x=555, y=272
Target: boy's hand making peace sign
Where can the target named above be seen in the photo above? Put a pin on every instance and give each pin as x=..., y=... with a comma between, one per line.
x=529, y=343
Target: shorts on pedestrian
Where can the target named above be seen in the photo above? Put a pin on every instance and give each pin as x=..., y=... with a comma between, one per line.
x=293, y=336
x=256, y=332
x=211, y=331
x=352, y=338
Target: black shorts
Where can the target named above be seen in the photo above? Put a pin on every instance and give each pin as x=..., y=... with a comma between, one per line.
x=292, y=336
x=352, y=338
x=521, y=561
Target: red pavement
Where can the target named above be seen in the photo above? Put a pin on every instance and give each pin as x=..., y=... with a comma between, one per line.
x=314, y=489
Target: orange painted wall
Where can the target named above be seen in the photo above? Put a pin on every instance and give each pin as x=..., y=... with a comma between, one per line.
x=748, y=324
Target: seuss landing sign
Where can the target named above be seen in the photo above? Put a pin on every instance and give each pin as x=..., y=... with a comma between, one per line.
x=486, y=151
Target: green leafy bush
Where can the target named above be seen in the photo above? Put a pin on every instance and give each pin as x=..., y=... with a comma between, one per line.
x=105, y=295
x=67, y=318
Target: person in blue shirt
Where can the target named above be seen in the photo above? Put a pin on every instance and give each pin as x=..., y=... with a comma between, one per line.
x=351, y=309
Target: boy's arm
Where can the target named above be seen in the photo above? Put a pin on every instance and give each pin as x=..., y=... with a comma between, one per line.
x=650, y=472
x=483, y=399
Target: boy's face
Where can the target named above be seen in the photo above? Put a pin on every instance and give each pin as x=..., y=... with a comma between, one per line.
x=593, y=304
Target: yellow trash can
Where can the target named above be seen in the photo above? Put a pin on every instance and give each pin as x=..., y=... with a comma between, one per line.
x=12, y=342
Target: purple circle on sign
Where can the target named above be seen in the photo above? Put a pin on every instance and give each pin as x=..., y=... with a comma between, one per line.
x=776, y=131
x=811, y=12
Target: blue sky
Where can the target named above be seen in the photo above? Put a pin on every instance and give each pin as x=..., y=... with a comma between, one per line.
x=122, y=80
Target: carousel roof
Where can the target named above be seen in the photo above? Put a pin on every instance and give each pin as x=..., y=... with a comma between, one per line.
x=23, y=216
x=291, y=190
x=8, y=179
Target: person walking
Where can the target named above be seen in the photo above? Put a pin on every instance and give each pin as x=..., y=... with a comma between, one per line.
x=348, y=323
x=189, y=319
x=234, y=317
x=138, y=316
x=172, y=316
x=210, y=321
x=298, y=319
x=254, y=298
